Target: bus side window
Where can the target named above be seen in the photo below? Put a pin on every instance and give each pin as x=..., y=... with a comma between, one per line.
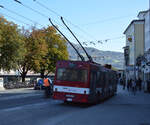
x=93, y=79
x=110, y=79
x=98, y=81
x=103, y=84
x=102, y=79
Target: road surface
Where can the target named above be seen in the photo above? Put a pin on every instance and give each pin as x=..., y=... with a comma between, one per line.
x=29, y=107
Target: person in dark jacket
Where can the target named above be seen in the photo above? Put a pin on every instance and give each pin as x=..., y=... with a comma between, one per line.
x=128, y=84
x=140, y=84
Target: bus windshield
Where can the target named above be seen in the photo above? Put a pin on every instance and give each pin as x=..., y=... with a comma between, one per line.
x=70, y=74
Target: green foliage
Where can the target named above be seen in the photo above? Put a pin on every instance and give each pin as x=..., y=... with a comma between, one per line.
x=30, y=53
x=35, y=50
x=52, y=47
x=10, y=44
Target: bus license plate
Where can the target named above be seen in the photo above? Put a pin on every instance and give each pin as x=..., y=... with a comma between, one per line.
x=69, y=99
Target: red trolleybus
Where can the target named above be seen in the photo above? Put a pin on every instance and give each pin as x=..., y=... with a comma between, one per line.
x=82, y=81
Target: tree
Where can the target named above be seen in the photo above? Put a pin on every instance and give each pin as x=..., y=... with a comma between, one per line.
x=35, y=50
x=10, y=45
x=30, y=54
x=52, y=49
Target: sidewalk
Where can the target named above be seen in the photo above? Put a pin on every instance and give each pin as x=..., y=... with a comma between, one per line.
x=2, y=89
x=16, y=90
x=127, y=97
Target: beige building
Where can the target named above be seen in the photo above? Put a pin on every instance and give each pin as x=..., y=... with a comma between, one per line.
x=134, y=47
x=145, y=15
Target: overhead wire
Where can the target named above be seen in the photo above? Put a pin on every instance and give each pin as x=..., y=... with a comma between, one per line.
x=28, y=7
x=15, y=19
x=106, y=20
x=19, y=15
x=42, y=5
x=84, y=42
x=11, y=11
x=114, y=38
x=35, y=11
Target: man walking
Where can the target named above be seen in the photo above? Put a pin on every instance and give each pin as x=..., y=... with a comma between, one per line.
x=134, y=87
x=128, y=84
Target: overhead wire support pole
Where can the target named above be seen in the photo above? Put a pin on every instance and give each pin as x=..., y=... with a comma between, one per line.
x=82, y=58
x=90, y=58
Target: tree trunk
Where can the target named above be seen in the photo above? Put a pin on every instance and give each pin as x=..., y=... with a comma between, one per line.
x=42, y=74
x=23, y=76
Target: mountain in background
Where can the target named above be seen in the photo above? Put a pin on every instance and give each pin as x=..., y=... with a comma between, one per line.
x=116, y=59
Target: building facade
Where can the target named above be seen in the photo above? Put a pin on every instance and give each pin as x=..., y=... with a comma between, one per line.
x=134, y=47
x=145, y=15
x=145, y=62
x=139, y=61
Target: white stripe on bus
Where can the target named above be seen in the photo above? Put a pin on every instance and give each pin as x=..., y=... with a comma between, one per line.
x=71, y=89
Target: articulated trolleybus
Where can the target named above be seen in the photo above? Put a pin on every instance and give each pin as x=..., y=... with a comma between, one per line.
x=83, y=81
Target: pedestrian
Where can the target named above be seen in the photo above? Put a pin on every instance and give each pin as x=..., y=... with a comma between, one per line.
x=119, y=81
x=128, y=84
x=137, y=83
x=148, y=86
x=124, y=85
x=47, y=85
x=134, y=87
x=140, y=84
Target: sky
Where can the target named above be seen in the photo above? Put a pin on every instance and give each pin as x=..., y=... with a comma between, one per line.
x=96, y=23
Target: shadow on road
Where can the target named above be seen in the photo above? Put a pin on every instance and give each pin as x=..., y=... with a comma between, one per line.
x=84, y=105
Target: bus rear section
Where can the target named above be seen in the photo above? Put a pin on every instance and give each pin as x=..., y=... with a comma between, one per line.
x=71, y=82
